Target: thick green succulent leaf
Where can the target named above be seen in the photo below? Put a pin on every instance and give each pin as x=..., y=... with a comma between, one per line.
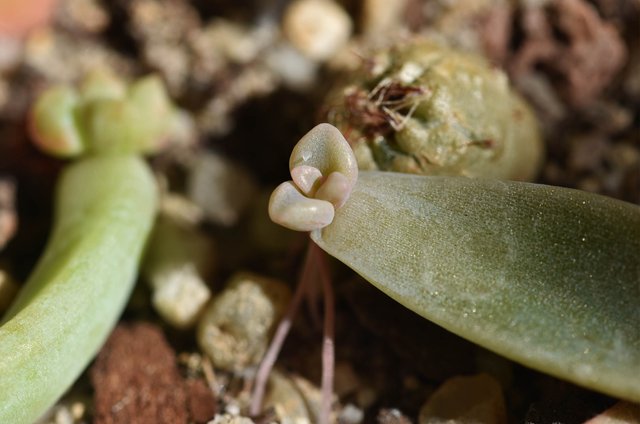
x=547, y=276
x=104, y=211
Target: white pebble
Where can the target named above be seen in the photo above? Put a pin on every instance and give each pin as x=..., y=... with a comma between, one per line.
x=230, y=419
x=351, y=414
x=296, y=70
x=318, y=28
x=221, y=188
x=180, y=295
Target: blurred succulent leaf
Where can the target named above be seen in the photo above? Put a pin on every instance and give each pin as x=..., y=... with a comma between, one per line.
x=105, y=208
x=54, y=123
x=112, y=127
x=150, y=98
x=102, y=84
x=140, y=121
x=104, y=117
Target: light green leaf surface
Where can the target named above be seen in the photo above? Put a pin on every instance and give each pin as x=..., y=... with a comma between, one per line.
x=547, y=276
x=104, y=211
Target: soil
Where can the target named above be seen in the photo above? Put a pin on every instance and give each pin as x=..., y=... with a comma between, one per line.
x=136, y=380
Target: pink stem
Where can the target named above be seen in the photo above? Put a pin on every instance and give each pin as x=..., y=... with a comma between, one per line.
x=262, y=376
x=328, y=352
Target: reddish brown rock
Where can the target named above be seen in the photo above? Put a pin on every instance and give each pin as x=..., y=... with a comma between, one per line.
x=200, y=401
x=136, y=379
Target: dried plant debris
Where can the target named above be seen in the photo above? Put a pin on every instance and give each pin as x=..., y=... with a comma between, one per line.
x=568, y=39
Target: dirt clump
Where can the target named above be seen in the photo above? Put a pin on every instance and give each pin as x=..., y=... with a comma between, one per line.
x=136, y=380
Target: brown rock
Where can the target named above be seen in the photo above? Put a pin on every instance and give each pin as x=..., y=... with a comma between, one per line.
x=136, y=379
x=200, y=401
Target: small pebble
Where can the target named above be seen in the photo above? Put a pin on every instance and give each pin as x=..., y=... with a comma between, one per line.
x=234, y=42
x=71, y=409
x=466, y=400
x=318, y=28
x=63, y=416
x=295, y=69
x=620, y=413
x=230, y=419
x=236, y=327
x=89, y=16
x=288, y=402
x=382, y=17
x=394, y=416
x=221, y=188
x=175, y=265
x=351, y=414
x=180, y=297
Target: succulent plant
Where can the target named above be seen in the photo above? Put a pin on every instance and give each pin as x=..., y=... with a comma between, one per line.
x=423, y=108
x=105, y=207
x=104, y=116
x=546, y=276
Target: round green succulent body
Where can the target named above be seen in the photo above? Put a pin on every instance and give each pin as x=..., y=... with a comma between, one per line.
x=105, y=116
x=422, y=108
